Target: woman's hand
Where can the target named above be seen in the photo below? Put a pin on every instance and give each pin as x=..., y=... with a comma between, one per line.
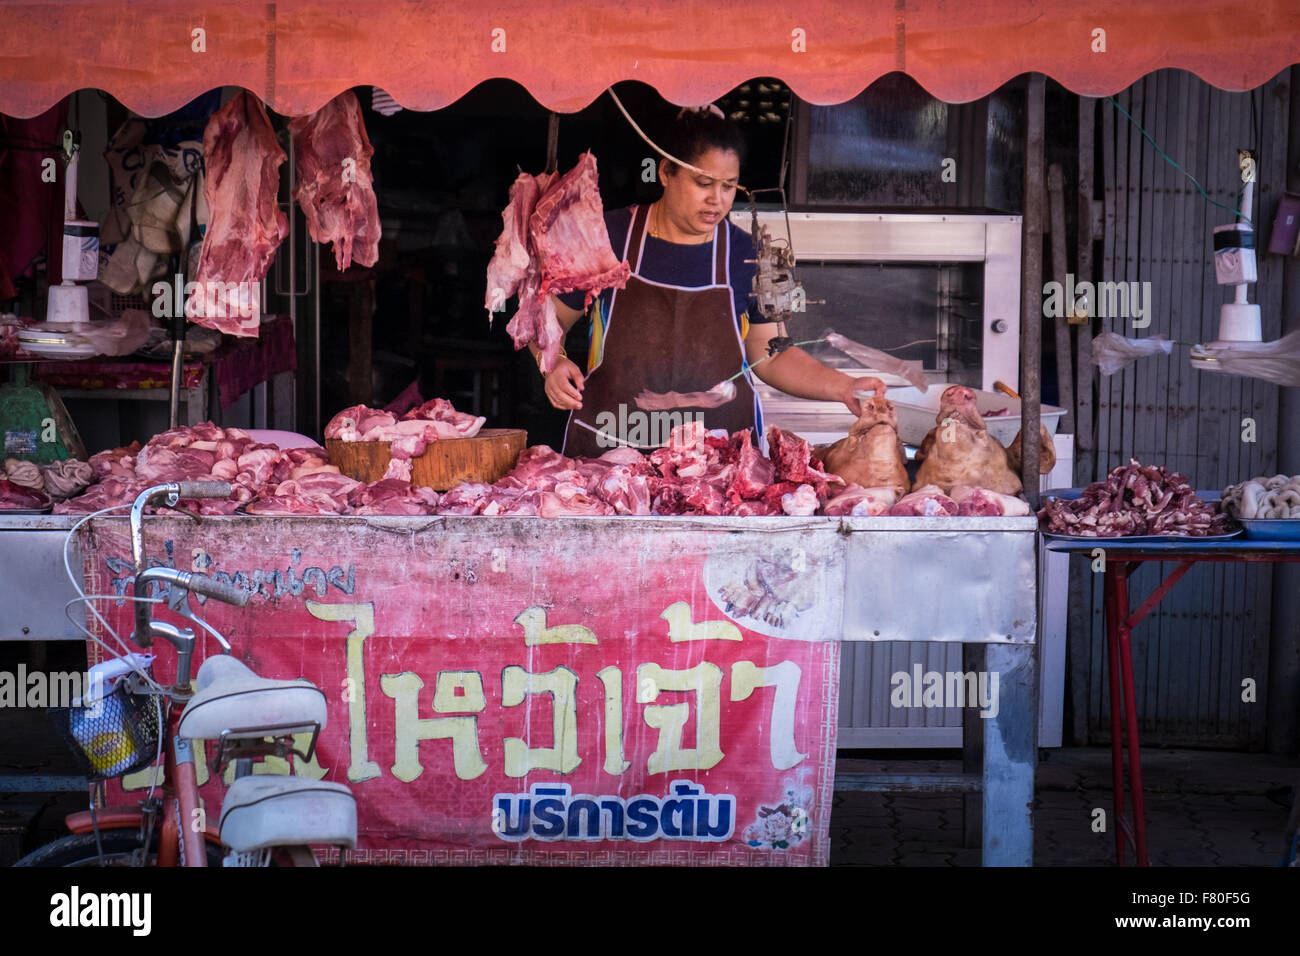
x=564, y=385
x=866, y=384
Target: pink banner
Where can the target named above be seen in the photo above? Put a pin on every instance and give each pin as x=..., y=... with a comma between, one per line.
x=602, y=692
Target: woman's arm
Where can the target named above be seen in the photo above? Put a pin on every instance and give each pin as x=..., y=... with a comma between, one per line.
x=564, y=381
x=797, y=373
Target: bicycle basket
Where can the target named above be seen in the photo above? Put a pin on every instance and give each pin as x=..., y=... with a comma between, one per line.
x=117, y=737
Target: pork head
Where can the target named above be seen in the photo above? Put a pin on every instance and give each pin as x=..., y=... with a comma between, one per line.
x=872, y=454
x=958, y=402
x=960, y=451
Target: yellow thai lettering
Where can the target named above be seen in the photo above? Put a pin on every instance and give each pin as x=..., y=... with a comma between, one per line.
x=612, y=680
x=410, y=728
x=362, y=618
x=705, y=681
x=746, y=677
x=533, y=621
x=682, y=628
x=562, y=684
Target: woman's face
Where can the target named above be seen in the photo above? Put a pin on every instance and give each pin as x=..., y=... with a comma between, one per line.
x=696, y=203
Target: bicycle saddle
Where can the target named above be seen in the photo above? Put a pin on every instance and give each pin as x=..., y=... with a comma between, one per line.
x=231, y=698
x=265, y=810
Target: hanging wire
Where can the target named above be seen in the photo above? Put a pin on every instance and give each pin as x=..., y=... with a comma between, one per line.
x=1166, y=157
x=653, y=145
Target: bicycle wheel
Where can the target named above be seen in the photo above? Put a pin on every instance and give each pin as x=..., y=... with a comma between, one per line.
x=79, y=849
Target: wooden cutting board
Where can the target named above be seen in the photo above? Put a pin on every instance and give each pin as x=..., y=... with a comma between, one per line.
x=487, y=457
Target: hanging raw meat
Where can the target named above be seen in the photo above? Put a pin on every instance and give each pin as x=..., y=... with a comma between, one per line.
x=567, y=248
x=510, y=261
x=242, y=159
x=335, y=188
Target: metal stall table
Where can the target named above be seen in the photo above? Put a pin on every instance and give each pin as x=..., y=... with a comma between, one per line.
x=1122, y=558
x=970, y=581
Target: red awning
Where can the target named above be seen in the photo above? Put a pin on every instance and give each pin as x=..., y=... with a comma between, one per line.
x=298, y=54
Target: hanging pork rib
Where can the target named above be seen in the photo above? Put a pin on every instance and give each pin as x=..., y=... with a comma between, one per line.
x=567, y=248
x=335, y=188
x=245, y=226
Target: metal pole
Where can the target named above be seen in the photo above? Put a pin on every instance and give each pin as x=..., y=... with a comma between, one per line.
x=1031, y=312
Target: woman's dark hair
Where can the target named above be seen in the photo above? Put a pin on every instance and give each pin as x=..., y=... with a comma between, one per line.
x=695, y=132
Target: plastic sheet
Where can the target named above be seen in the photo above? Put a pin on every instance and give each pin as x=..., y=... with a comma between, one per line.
x=880, y=361
x=1112, y=351
x=119, y=336
x=719, y=394
x=1277, y=362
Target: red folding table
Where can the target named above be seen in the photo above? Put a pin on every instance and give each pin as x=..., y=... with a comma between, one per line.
x=1122, y=558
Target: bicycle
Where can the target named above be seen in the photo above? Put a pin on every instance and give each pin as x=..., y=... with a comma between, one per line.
x=265, y=818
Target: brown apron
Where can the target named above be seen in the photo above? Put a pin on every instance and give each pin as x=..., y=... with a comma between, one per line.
x=662, y=338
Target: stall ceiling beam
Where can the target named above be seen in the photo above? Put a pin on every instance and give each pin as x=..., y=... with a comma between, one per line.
x=156, y=55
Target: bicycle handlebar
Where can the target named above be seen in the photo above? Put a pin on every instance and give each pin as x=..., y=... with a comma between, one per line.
x=204, y=489
x=211, y=587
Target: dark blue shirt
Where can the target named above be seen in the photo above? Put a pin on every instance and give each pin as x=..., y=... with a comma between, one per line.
x=690, y=266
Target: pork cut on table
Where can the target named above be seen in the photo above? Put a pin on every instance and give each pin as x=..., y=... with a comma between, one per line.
x=871, y=455
x=553, y=240
x=980, y=502
x=926, y=501
x=960, y=451
x=334, y=185
x=862, y=502
x=20, y=498
x=245, y=225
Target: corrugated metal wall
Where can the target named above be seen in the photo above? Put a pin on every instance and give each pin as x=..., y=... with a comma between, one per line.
x=1211, y=631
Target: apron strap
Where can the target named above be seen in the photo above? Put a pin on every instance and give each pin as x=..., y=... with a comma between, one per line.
x=721, y=259
x=636, y=236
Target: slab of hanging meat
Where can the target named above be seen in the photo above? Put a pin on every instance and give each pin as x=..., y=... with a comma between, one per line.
x=511, y=259
x=335, y=188
x=242, y=159
x=567, y=247
x=568, y=230
x=872, y=454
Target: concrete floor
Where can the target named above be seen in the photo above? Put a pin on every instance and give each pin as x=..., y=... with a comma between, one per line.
x=1203, y=808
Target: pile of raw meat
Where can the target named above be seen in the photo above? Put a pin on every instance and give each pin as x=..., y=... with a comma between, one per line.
x=410, y=435
x=964, y=470
x=553, y=241
x=1135, y=499
x=697, y=473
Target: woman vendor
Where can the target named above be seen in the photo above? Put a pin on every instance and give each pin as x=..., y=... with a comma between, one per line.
x=685, y=320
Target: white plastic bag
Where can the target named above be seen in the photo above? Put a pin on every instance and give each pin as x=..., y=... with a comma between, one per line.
x=1277, y=362
x=879, y=361
x=1112, y=351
